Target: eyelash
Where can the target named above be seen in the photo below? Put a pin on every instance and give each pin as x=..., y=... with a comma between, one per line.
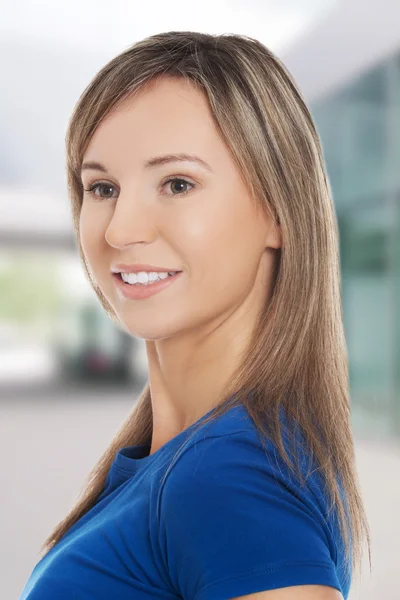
x=91, y=189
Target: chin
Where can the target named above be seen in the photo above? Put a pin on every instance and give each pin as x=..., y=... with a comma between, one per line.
x=150, y=331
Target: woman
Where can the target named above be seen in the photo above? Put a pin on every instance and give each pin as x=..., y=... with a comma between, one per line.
x=206, y=227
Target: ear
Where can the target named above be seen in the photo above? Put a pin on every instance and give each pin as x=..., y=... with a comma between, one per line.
x=274, y=236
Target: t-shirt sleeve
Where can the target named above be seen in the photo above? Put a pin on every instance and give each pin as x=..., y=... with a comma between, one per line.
x=233, y=522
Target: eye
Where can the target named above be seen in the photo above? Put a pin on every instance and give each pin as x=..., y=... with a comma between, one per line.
x=108, y=188
x=92, y=188
x=181, y=181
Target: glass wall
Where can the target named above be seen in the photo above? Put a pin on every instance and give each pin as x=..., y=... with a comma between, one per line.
x=359, y=127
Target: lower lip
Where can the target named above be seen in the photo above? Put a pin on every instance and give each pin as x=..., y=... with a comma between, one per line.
x=139, y=292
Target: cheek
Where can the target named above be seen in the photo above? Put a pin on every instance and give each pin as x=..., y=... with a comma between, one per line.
x=84, y=229
x=90, y=234
x=221, y=251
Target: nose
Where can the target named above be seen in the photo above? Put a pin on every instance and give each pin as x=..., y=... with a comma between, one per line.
x=132, y=221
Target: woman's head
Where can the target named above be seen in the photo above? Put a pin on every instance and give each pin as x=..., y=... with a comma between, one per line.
x=195, y=217
x=264, y=210
x=227, y=99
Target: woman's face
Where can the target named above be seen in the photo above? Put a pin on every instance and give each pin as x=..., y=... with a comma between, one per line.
x=212, y=232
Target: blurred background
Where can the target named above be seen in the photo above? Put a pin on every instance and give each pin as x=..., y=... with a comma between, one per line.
x=68, y=376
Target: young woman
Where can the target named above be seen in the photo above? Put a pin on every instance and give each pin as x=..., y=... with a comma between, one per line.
x=206, y=227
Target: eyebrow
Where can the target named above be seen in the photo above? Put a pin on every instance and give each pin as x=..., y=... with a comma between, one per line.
x=155, y=161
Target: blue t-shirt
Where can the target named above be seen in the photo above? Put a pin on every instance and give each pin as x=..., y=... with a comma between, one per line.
x=225, y=520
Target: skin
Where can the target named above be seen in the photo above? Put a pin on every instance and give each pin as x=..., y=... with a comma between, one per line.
x=296, y=592
x=197, y=329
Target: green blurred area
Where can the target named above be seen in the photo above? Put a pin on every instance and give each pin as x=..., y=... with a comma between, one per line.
x=359, y=127
x=29, y=288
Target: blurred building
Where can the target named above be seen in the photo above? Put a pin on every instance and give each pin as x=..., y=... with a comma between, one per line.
x=347, y=65
x=349, y=71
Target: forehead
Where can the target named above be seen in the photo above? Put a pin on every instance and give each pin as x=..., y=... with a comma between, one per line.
x=168, y=115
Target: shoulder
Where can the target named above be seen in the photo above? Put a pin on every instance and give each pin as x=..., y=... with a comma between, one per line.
x=234, y=520
x=223, y=457
x=248, y=481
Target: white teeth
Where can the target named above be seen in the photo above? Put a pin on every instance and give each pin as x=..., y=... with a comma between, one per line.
x=144, y=278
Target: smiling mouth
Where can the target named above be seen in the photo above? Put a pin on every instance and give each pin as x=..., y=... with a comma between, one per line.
x=141, y=291
x=146, y=283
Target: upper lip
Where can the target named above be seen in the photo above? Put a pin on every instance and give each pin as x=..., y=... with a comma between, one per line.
x=139, y=267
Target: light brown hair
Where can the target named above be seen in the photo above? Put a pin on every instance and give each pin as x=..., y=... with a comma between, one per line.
x=297, y=358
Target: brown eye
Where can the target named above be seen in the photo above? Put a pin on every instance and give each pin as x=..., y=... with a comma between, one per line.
x=106, y=188
x=176, y=186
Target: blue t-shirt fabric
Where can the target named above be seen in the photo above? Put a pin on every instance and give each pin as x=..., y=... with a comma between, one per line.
x=226, y=519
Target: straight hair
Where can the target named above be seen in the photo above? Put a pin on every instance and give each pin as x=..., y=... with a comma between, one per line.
x=297, y=359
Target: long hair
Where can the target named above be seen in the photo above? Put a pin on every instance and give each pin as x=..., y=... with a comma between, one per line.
x=297, y=359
